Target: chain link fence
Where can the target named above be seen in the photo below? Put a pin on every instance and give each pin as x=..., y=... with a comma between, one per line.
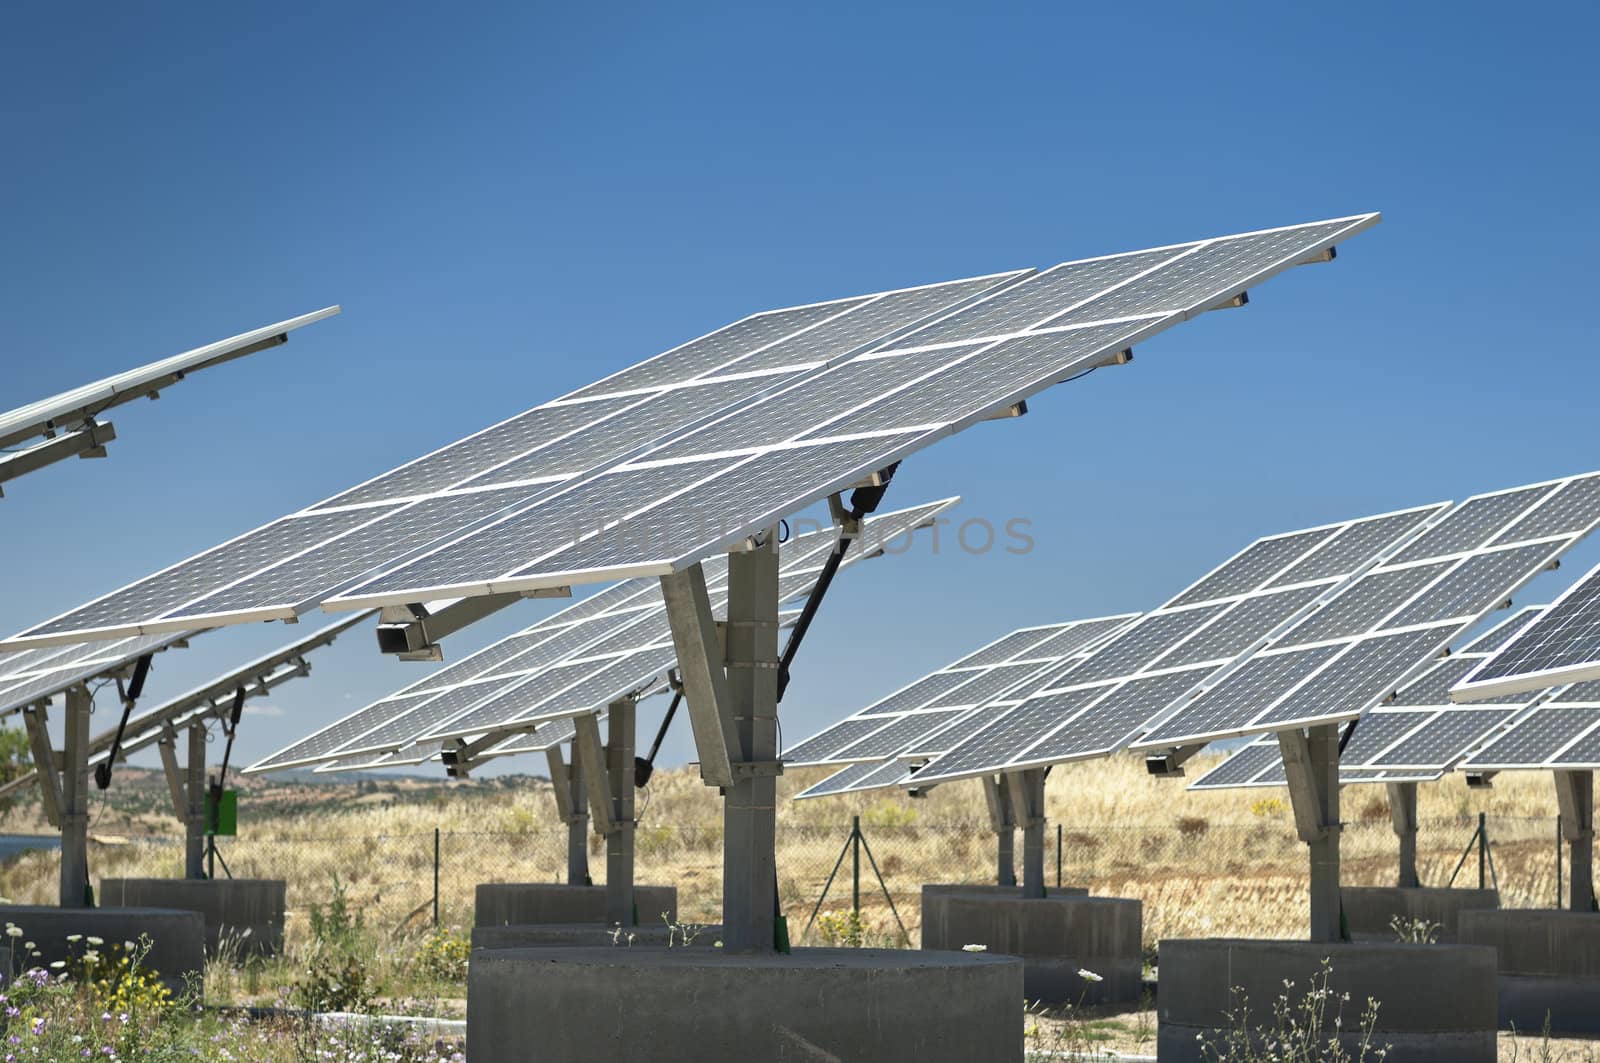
x=1195, y=877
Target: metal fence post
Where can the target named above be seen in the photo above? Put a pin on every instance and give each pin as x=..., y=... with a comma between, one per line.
x=1558, y=861
x=1483, y=850
x=436, y=878
x=1058, y=856
x=855, y=875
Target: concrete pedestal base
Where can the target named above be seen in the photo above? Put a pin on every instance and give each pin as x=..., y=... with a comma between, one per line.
x=522, y=903
x=888, y=1006
x=590, y=935
x=1368, y=910
x=246, y=913
x=1549, y=964
x=177, y=938
x=1435, y=1002
x=1055, y=936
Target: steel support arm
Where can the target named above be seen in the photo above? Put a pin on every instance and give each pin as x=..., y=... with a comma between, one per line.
x=589, y=758
x=1311, y=764
x=704, y=677
x=44, y=761
x=413, y=632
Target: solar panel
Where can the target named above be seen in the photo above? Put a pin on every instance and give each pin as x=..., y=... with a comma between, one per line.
x=1258, y=766
x=916, y=400
x=602, y=650
x=1561, y=646
x=1082, y=711
x=212, y=698
x=73, y=412
x=29, y=677
x=859, y=778
x=287, y=567
x=1418, y=737
x=1396, y=638
x=912, y=715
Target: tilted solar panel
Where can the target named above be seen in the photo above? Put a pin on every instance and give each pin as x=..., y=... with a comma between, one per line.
x=1230, y=611
x=285, y=568
x=711, y=487
x=600, y=651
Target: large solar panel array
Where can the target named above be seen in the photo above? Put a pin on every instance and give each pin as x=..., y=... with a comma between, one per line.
x=1096, y=706
x=212, y=698
x=1385, y=628
x=938, y=710
x=688, y=498
x=74, y=411
x=1418, y=737
x=1561, y=646
x=287, y=567
x=573, y=662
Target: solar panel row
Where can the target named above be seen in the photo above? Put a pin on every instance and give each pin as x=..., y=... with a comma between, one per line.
x=573, y=662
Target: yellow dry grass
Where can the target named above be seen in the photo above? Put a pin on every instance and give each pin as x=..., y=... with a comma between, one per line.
x=1221, y=863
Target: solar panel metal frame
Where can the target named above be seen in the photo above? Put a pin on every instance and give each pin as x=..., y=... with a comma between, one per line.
x=749, y=524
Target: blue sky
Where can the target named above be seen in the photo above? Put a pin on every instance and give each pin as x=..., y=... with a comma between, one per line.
x=513, y=200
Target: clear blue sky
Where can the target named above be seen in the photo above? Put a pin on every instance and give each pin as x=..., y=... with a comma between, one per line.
x=513, y=200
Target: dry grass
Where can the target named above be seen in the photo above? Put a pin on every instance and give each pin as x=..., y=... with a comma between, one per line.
x=1221, y=863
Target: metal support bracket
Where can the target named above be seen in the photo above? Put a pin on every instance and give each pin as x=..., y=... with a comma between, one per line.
x=412, y=632
x=590, y=757
x=1307, y=792
x=167, y=746
x=1169, y=764
x=702, y=672
x=750, y=769
x=44, y=759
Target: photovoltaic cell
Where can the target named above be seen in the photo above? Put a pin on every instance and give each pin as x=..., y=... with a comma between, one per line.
x=1115, y=720
x=1474, y=524
x=1254, y=566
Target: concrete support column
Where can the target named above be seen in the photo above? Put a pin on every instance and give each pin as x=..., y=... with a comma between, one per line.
x=749, y=857
x=619, y=843
x=1575, y=798
x=194, y=820
x=1027, y=805
x=998, y=798
x=75, y=802
x=1403, y=813
x=1311, y=763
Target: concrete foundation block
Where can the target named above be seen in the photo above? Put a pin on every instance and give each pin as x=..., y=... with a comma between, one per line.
x=1435, y=1002
x=887, y=1006
x=1549, y=965
x=1056, y=936
x=523, y=903
x=1368, y=910
x=247, y=913
x=590, y=935
x=177, y=938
